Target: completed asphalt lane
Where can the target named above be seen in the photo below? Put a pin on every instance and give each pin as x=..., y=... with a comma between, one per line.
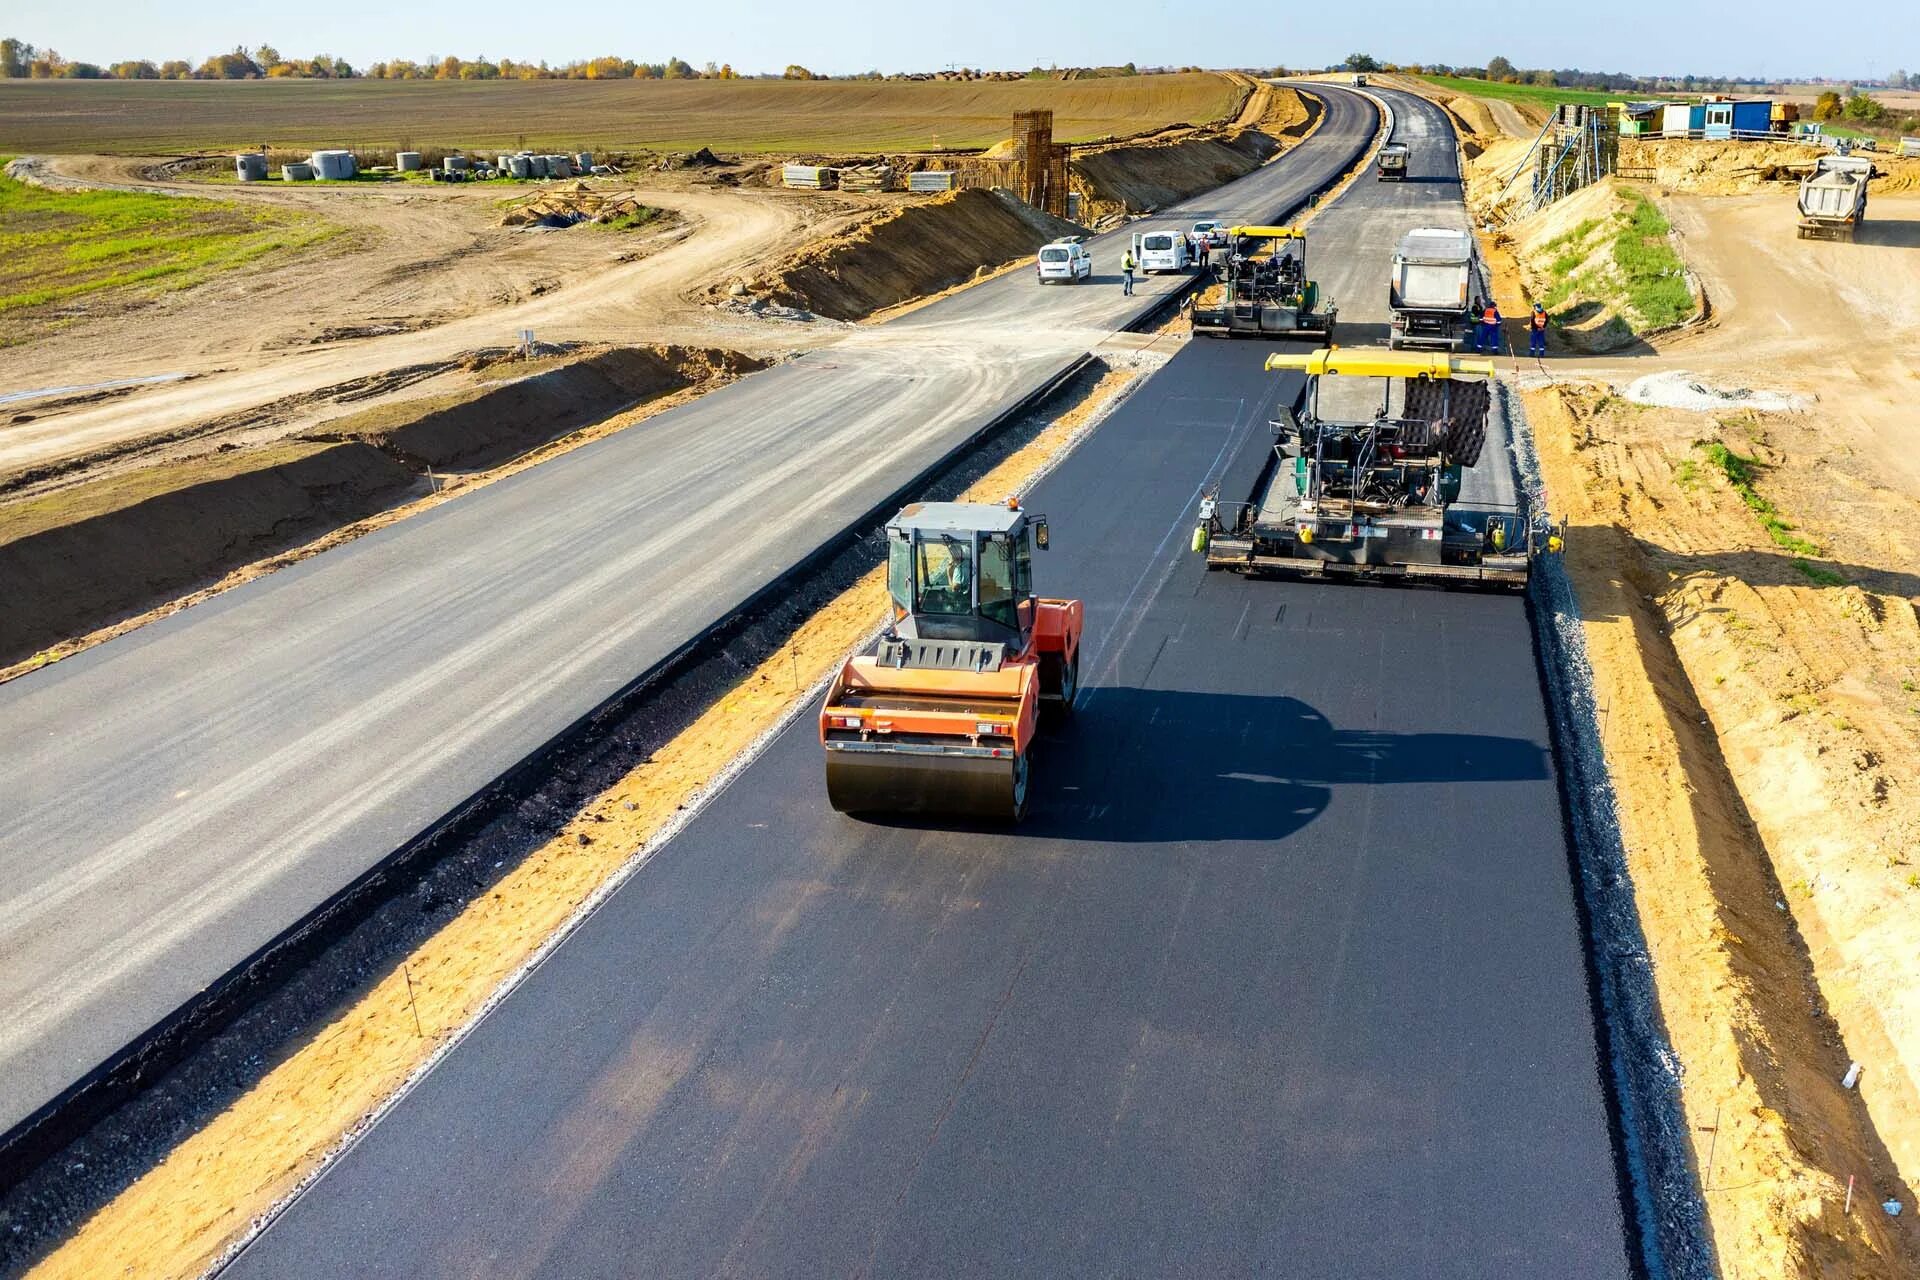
x=179, y=796
x=1283, y=975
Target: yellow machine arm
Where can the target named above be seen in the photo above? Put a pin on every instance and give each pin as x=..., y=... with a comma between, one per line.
x=1269, y=233
x=1364, y=362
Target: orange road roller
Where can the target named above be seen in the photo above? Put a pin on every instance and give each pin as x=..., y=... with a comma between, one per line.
x=941, y=717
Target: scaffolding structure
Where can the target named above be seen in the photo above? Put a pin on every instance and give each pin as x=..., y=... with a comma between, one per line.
x=1578, y=146
x=1043, y=163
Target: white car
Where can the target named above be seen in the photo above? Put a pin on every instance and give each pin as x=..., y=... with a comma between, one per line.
x=1215, y=233
x=1065, y=259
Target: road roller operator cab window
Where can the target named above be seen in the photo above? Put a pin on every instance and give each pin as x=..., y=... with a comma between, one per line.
x=938, y=577
x=944, y=574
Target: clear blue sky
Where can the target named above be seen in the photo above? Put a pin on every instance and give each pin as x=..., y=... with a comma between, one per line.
x=1768, y=37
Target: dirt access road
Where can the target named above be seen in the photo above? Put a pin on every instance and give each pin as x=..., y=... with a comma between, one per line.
x=423, y=277
x=1835, y=323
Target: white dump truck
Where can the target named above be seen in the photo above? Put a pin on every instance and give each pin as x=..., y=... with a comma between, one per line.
x=1833, y=198
x=1430, y=291
x=1393, y=161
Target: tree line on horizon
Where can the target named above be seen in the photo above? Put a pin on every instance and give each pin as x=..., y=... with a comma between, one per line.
x=1499, y=70
x=21, y=60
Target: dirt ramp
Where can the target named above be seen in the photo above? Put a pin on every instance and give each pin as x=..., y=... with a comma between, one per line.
x=1137, y=179
x=921, y=249
x=528, y=404
x=84, y=558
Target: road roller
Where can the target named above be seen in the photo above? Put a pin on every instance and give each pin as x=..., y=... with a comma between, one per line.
x=942, y=715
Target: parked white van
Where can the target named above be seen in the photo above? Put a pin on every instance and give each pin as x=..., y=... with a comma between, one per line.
x=1160, y=251
x=1064, y=259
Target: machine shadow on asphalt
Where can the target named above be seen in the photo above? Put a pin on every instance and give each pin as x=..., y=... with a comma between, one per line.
x=1243, y=767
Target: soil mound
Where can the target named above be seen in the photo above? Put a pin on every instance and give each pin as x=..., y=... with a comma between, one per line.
x=84, y=558
x=918, y=250
x=1138, y=177
x=1738, y=168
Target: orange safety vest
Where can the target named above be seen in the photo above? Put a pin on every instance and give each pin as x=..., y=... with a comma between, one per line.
x=1491, y=315
x=1539, y=320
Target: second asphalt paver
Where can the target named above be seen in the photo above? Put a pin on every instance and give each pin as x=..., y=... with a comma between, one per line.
x=1282, y=975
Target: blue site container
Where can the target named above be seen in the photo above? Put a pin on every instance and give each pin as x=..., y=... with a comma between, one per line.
x=1753, y=115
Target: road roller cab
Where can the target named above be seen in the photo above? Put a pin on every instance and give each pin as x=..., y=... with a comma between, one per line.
x=942, y=715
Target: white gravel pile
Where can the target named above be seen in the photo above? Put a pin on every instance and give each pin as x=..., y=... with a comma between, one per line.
x=1678, y=389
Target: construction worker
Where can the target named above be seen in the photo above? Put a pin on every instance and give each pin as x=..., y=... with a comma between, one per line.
x=1488, y=339
x=1537, y=331
x=1127, y=264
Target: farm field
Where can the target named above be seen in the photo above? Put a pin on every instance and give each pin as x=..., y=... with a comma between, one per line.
x=1529, y=95
x=747, y=116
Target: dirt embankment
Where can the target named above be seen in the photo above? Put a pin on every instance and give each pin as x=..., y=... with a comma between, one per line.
x=85, y=560
x=516, y=407
x=1738, y=168
x=1603, y=263
x=903, y=254
x=1763, y=741
x=1142, y=176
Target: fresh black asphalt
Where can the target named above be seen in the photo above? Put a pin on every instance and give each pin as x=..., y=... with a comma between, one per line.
x=177, y=798
x=1283, y=976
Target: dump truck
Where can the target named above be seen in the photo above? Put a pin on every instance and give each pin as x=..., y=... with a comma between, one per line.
x=1365, y=476
x=1433, y=273
x=1833, y=198
x=942, y=715
x=1392, y=161
x=1263, y=289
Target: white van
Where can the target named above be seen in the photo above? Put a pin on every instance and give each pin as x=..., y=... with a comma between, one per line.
x=1160, y=251
x=1064, y=259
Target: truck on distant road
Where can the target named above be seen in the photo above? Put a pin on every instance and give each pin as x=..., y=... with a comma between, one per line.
x=1393, y=161
x=1433, y=275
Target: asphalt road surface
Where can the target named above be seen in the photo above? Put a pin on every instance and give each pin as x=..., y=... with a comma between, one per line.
x=177, y=798
x=1283, y=975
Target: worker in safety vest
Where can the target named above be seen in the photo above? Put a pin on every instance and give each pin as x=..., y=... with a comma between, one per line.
x=1127, y=265
x=1537, y=331
x=1488, y=339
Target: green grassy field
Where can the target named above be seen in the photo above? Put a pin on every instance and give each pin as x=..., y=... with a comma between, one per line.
x=1529, y=94
x=157, y=117
x=57, y=247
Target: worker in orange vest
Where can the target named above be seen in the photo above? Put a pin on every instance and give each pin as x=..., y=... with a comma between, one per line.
x=1488, y=339
x=1537, y=331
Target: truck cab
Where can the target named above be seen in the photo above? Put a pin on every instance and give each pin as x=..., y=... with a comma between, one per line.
x=1160, y=251
x=1064, y=259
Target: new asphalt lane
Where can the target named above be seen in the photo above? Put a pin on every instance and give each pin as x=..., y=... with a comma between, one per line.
x=1283, y=975
x=177, y=798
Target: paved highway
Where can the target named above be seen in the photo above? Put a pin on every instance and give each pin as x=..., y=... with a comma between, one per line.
x=1283, y=976
x=180, y=796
